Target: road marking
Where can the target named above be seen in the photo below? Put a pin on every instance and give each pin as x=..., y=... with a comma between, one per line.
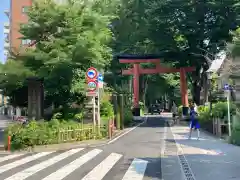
x=22, y=161
x=163, y=141
x=69, y=168
x=113, y=140
x=102, y=169
x=34, y=169
x=5, y=158
x=136, y=170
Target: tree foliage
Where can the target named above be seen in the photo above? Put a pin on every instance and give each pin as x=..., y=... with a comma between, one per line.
x=183, y=31
x=68, y=39
x=234, y=47
x=71, y=37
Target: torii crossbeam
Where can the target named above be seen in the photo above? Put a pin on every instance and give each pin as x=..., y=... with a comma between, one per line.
x=136, y=71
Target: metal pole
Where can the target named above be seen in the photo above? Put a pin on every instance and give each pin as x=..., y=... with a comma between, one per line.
x=94, y=113
x=98, y=108
x=229, y=117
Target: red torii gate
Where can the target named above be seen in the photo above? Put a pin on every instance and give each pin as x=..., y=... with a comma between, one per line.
x=136, y=71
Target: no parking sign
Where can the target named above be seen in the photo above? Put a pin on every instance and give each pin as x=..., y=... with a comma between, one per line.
x=92, y=84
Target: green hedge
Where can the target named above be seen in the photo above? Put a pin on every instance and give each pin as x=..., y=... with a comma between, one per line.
x=219, y=110
x=49, y=132
x=235, y=138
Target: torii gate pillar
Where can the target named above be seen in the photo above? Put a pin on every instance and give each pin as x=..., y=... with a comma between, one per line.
x=136, y=75
x=184, y=91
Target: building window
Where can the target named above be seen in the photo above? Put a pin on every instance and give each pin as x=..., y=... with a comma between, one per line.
x=26, y=41
x=24, y=9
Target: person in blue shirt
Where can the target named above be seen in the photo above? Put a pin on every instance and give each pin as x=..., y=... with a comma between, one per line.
x=194, y=122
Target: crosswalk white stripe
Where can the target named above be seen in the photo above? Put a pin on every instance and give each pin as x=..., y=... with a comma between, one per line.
x=5, y=158
x=102, y=169
x=69, y=168
x=38, y=167
x=22, y=161
x=136, y=170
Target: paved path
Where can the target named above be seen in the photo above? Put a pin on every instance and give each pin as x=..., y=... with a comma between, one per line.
x=207, y=158
x=152, y=151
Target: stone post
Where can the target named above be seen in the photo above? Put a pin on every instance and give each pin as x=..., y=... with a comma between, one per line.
x=121, y=111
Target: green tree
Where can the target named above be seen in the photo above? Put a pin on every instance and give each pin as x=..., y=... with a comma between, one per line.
x=68, y=39
x=181, y=31
x=234, y=46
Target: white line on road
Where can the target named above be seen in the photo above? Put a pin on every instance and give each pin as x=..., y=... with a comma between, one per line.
x=22, y=161
x=69, y=168
x=34, y=169
x=5, y=158
x=102, y=169
x=113, y=140
x=136, y=170
x=163, y=145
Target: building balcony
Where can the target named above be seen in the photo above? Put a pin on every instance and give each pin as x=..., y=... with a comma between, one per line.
x=6, y=31
x=6, y=45
x=6, y=25
x=7, y=12
x=6, y=40
x=5, y=52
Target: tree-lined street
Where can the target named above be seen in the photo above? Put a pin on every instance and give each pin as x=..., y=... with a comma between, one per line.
x=92, y=65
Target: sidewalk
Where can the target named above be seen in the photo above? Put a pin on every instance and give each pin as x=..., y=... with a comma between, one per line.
x=4, y=122
x=207, y=158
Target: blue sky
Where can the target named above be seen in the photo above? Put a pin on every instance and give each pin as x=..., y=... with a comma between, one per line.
x=3, y=18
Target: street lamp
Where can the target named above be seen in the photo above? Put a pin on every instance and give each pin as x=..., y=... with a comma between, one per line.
x=209, y=77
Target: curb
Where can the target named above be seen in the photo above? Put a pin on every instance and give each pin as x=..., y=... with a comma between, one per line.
x=76, y=144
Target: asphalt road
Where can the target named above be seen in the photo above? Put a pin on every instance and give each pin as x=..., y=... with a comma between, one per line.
x=135, y=156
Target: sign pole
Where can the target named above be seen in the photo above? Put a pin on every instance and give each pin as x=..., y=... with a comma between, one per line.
x=91, y=75
x=98, y=103
x=229, y=116
x=94, y=112
x=228, y=93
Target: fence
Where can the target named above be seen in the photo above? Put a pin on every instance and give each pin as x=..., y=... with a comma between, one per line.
x=91, y=132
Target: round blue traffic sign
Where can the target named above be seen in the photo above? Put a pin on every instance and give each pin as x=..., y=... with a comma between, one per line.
x=100, y=77
x=92, y=85
x=91, y=73
x=226, y=87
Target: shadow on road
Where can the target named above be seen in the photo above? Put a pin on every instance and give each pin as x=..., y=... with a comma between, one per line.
x=199, y=160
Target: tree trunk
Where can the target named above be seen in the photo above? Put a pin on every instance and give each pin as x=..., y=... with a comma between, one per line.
x=197, y=86
x=197, y=92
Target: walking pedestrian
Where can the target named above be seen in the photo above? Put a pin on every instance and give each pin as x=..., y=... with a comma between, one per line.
x=194, y=124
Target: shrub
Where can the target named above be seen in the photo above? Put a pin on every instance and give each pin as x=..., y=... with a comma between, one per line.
x=204, y=113
x=180, y=110
x=78, y=117
x=220, y=109
x=235, y=138
x=43, y=133
x=67, y=113
x=106, y=110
